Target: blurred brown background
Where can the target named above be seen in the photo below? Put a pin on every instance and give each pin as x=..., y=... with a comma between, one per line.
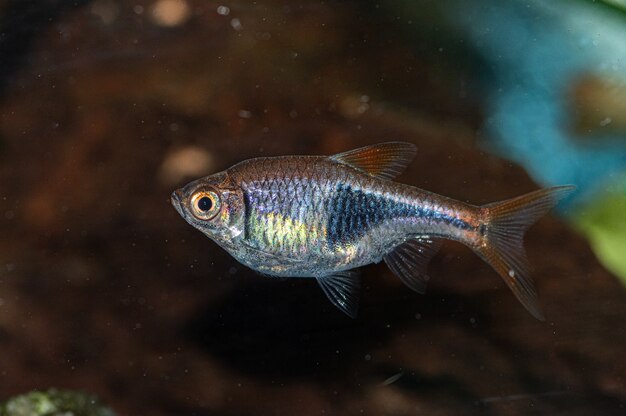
x=107, y=106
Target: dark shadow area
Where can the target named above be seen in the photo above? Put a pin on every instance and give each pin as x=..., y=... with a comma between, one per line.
x=445, y=387
x=21, y=22
x=288, y=328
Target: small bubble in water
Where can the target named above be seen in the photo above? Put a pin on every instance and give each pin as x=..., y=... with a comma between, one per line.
x=606, y=122
x=106, y=10
x=232, y=270
x=236, y=24
x=368, y=357
x=244, y=114
x=223, y=10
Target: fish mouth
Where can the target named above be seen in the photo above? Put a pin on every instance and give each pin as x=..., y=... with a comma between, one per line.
x=177, y=201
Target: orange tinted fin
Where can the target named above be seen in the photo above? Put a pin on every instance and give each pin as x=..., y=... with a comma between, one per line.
x=502, y=247
x=384, y=160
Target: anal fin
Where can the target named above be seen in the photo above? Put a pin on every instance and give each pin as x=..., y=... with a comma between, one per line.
x=342, y=289
x=409, y=260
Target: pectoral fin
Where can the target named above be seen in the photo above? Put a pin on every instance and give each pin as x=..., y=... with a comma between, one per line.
x=272, y=259
x=384, y=160
x=409, y=260
x=342, y=290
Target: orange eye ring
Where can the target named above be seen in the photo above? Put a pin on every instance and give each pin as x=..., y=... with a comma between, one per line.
x=205, y=204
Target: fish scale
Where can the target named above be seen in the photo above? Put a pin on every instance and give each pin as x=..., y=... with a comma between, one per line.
x=324, y=216
x=278, y=209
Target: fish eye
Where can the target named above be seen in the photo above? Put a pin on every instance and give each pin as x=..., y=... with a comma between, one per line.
x=205, y=204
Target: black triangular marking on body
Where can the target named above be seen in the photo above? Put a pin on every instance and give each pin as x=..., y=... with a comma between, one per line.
x=342, y=289
x=409, y=260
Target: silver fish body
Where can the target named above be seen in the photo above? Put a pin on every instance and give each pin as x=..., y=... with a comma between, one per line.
x=321, y=217
x=317, y=217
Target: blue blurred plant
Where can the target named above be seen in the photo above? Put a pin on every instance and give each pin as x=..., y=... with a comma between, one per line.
x=537, y=52
x=553, y=74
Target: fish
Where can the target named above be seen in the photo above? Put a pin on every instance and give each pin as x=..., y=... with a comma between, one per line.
x=323, y=217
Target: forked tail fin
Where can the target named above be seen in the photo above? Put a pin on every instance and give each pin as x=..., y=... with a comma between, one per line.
x=502, y=247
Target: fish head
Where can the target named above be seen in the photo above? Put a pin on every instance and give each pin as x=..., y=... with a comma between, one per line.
x=214, y=205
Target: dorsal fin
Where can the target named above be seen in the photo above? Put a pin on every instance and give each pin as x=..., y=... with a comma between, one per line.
x=383, y=160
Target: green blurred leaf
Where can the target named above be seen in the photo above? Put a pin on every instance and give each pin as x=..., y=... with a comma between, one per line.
x=54, y=403
x=604, y=224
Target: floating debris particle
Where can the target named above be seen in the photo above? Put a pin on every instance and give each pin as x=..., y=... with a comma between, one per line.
x=170, y=13
x=236, y=24
x=393, y=378
x=185, y=162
